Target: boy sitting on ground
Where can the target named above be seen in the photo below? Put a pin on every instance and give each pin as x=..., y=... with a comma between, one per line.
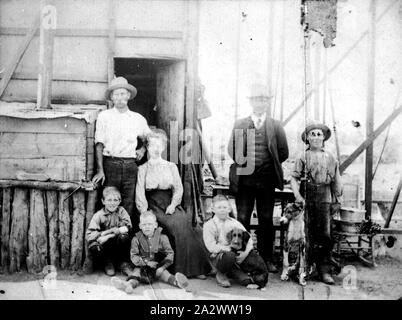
x=108, y=234
x=151, y=254
x=221, y=254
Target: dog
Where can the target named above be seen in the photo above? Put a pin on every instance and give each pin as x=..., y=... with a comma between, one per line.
x=295, y=243
x=253, y=264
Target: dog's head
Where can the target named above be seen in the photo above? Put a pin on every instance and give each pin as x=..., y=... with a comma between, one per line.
x=238, y=239
x=293, y=211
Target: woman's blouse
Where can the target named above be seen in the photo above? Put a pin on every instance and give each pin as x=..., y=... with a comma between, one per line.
x=157, y=174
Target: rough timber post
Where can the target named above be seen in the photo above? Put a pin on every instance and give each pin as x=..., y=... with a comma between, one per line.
x=46, y=41
x=19, y=229
x=5, y=230
x=37, y=236
x=191, y=48
x=370, y=111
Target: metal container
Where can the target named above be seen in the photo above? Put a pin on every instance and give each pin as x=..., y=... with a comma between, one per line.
x=352, y=214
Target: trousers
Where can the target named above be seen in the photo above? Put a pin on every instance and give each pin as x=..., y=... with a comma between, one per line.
x=122, y=174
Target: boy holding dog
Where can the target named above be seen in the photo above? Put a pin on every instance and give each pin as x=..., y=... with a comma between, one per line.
x=320, y=192
x=151, y=254
x=222, y=257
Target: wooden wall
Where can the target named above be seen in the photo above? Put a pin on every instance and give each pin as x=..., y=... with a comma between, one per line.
x=40, y=228
x=143, y=29
x=61, y=149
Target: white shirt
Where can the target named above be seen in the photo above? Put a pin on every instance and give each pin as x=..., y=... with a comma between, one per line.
x=258, y=120
x=118, y=132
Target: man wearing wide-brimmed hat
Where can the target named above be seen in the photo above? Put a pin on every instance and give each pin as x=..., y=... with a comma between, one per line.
x=258, y=146
x=321, y=192
x=117, y=130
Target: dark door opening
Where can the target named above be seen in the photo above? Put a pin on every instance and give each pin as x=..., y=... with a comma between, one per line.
x=160, y=90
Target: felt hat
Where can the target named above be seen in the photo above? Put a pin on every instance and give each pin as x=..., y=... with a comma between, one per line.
x=118, y=83
x=316, y=125
x=259, y=90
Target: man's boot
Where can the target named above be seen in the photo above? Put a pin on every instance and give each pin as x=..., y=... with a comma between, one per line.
x=126, y=268
x=271, y=267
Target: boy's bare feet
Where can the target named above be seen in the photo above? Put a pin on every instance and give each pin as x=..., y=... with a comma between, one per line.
x=122, y=285
x=182, y=282
x=222, y=280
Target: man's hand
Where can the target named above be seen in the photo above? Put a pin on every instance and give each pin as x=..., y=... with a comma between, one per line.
x=100, y=176
x=241, y=256
x=123, y=229
x=159, y=271
x=103, y=239
x=152, y=264
x=112, y=231
x=170, y=209
x=300, y=199
x=140, y=153
x=226, y=248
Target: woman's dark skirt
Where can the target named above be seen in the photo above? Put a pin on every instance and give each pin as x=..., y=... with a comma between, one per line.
x=191, y=257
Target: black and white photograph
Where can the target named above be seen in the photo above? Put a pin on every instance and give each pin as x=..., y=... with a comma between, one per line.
x=204, y=151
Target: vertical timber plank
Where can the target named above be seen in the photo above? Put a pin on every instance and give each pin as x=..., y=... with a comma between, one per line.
x=19, y=229
x=64, y=229
x=37, y=236
x=5, y=227
x=77, y=237
x=53, y=220
x=91, y=203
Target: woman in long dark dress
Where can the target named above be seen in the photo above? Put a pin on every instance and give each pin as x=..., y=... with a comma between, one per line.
x=159, y=189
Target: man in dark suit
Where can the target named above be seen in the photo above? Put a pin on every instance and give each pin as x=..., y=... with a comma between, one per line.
x=258, y=147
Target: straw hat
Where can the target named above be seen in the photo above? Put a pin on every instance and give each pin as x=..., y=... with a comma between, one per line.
x=316, y=125
x=118, y=83
x=259, y=90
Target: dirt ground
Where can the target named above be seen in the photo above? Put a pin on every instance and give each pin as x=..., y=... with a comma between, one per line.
x=355, y=282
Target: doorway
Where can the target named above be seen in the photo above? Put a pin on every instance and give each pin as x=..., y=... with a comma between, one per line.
x=160, y=87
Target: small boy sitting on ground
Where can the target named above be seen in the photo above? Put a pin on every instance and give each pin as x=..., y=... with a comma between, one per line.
x=151, y=254
x=221, y=254
x=108, y=234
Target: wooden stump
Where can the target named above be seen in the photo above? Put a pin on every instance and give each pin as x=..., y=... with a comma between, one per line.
x=77, y=237
x=53, y=222
x=19, y=229
x=5, y=228
x=64, y=229
x=37, y=237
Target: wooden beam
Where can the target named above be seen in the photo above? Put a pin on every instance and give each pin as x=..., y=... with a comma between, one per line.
x=111, y=42
x=370, y=139
x=58, y=77
x=99, y=33
x=45, y=185
x=16, y=58
x=46, y=43
x=394, y=202
x=370, y=112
